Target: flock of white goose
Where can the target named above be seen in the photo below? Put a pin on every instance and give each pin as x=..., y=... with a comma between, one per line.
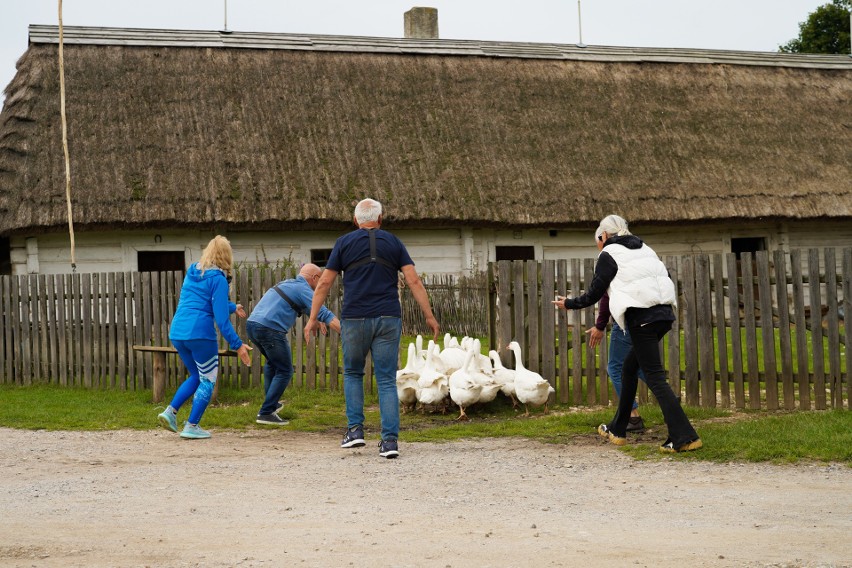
x=463, y=374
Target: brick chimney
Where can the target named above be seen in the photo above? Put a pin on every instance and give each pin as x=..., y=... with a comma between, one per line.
x=421, y=23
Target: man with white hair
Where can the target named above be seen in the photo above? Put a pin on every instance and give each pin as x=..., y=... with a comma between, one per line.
x=371, y=318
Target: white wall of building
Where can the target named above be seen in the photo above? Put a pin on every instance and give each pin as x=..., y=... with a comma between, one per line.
x=439, y=251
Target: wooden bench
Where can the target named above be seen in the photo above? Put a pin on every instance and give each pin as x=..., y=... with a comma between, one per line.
x=159, y=387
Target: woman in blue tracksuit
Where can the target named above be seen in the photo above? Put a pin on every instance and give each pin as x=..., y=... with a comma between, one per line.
x=203, y=302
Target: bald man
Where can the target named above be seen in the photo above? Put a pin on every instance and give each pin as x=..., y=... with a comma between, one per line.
x=267, y=328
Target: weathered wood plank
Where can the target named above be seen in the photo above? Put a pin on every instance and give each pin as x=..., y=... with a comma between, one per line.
x=747, y=267
x=6, y=326
x=815, y=320
x=63, y=294
x=504, y=311
x=802, y=370
x=121, y=330
x=588, y=319
x=736, y=326
x=562, y=390
x=673, y=337
x=576, y=335
x=706, y=348
x=690, y=330
x=53, y=331
x=548, y=321
x=767, y=329
x=518, y=320
x=532, y=309
x=784, y=330
x=721, y=330
x=42, y=372
x=835, y=388
x=847, y=317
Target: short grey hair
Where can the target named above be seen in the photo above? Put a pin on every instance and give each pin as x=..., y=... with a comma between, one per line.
x=367, y=210
x=612, y=225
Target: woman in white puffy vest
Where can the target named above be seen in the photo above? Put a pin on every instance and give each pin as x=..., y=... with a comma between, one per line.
x=641, y=300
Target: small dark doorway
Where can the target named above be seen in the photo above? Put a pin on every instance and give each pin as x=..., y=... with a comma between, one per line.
x=5, y=256
x=515, y=253
x=747, y=244
x=161, y=261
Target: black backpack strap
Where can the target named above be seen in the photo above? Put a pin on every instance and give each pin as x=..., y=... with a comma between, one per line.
x=373, y=256
x=296, y=308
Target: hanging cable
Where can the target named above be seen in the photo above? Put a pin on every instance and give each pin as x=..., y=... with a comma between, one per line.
x=65, y=141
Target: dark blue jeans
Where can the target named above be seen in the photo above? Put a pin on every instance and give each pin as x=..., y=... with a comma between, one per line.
x=278, y=369
x=379, y=337
x=645, y=354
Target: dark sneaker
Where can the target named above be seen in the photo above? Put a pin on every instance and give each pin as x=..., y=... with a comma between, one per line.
x=279, y=407
x=613, y=439
x=635, y=424
x=388, y=449
x=354, y=437
x=272, y=419
x=669, y=447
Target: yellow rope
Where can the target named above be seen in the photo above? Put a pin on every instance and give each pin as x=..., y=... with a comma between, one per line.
x=65, y=140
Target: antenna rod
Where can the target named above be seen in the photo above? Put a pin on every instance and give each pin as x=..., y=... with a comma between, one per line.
x=226, y=15
x=580, y=24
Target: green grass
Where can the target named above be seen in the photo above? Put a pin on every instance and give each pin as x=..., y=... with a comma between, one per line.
x=781, y=437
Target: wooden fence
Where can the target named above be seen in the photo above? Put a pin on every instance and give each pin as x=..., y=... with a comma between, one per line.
x=781, y=315
x=785, y=346
x=79, y=329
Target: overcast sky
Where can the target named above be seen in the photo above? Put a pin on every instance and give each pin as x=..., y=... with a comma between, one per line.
x=751, y=25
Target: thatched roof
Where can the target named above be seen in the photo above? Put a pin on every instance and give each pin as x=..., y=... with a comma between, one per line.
x=201, y=129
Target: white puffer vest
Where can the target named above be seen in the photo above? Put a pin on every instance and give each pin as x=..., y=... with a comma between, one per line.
x=642, y=281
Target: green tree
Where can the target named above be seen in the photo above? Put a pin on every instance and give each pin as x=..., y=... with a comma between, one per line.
x=825, y=31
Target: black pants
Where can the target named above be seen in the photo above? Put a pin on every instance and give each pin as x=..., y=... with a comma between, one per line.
x=645, y=355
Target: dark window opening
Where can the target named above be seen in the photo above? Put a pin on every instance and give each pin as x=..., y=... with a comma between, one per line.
x=747, y=244
x=161, y=261
x=515, y=253
x=5, y=256
x=320, y=257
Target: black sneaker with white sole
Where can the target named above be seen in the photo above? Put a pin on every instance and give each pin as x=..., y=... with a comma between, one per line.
x=354, y=437
x=388, y=449
x=272, y=419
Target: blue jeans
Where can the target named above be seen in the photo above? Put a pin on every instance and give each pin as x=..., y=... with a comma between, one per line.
x=201, y=359
x=619, y=346
x=379, y=336
x=278, y=369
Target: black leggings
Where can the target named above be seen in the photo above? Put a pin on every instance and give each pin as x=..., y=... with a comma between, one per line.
x=645, y=354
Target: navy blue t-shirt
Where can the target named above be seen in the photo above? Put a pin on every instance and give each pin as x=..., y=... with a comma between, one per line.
x=369, y=290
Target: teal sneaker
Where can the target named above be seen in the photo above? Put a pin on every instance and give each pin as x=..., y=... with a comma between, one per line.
x=194, y=432
x=168, y=420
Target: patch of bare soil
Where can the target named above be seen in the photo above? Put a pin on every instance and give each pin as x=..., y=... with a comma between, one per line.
x=269, y=498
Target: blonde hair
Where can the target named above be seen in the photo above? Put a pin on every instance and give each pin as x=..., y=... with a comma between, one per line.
x=613, y=225
x=217, y=254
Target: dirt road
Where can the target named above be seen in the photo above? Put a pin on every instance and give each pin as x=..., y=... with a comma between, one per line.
x=270, y=498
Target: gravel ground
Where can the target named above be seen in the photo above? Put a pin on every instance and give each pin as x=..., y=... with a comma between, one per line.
x=275, y=497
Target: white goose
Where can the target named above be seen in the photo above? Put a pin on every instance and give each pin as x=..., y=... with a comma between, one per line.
x=452, y=358
x=434, y=386
x=406, y=380
x=464, y=390
x=504, y=376
x=481, y=373
x=530, y=387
